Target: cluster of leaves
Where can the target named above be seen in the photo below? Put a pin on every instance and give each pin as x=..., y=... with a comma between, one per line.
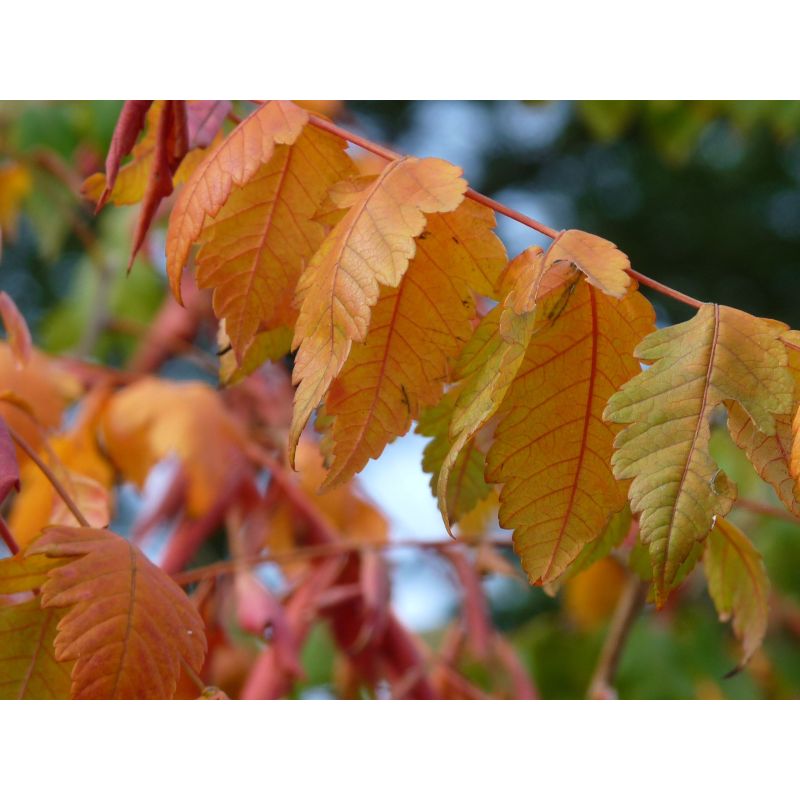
x=547, y=391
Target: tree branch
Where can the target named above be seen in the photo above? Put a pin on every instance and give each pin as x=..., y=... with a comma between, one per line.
x=500, y=208
x=630, y=604
x=50, y=475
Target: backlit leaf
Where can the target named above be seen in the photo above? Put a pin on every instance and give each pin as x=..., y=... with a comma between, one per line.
x=721, y=354
x=492, y=358
x=257, y=244
x=467, y=486
x=738, y=584
x=371, y=246
x=416, y=329
x=232, y=163
x=604, y=266
x=771, y=454
x=552, y=450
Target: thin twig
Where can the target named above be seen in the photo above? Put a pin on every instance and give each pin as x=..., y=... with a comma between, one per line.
x=195, y=678
x=50, y=475
x=8, y=537
x=313, y=552
x=500, y=208
x=630, y=603
x=766, y=510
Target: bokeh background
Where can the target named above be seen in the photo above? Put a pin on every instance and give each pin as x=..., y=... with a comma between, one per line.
x=704, y=196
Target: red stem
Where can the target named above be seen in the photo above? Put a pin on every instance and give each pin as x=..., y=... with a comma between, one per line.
x=8, y=537
x=506, y=211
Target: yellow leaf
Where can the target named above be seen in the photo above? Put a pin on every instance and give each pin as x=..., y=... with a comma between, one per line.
x=267, y=346
x=28, y=666
x=86, y=475
x=416, y=329
x=257, y=244
x=772, y=454
x=552, y=450
x=154, y=419
x=467, y=487
x=617, y=529
x=604, y=266
x=591, y=596
x=738, y=584
x=371, y=246
x=721, y=354
x=15, y=185
x=492, y=358
x=231, y=163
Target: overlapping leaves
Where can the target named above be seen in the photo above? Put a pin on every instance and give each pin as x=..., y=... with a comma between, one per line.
x=722, y=354
x=375, y=281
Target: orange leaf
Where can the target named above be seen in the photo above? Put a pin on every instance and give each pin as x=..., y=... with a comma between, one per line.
x=591, y=596
x=232, y=163
x=257, y=244
x=371, y=246
x=416, y=329
x=128, y=626
x=154, y=419
x=598, y=259
x=19, y=337
x=551, y=449
x=353, y=516
x=772, y=454
x=33, y=398
x=492, y=357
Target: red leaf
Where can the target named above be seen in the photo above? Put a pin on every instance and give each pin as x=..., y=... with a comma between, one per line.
x=171, y=147
x=204, y=118
x=129, y=125
x=9, y=468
